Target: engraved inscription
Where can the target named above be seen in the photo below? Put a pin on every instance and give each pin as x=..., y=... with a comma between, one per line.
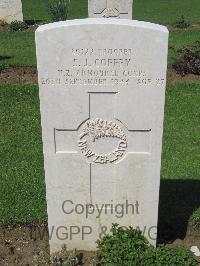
x=96, y=129
x=102, y=67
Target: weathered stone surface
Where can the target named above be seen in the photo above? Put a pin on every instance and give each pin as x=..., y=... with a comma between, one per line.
x=102, y=92
x=110, y=9
x=11, y=10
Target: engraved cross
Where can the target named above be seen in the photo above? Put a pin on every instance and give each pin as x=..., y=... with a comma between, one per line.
x=102, y=140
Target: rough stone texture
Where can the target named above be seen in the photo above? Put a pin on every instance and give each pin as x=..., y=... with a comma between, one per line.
x=11, y=10
x=102, y=92
x=110, y=9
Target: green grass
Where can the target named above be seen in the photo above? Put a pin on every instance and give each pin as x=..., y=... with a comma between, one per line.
x=19, y=47
x=22, y=189
x=167, y=11
x=38, y=10
x=180, y=39
x=35, y=10
x=181, y=133
x=158, y=11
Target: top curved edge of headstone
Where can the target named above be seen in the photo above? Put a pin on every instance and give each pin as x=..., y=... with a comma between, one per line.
x=99, y=21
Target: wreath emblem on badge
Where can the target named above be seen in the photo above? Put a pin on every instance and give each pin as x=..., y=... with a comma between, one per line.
x=94, y=130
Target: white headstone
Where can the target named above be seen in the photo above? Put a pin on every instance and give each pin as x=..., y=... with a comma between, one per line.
x=102, y=93
x=11, y=10
x=110, y=9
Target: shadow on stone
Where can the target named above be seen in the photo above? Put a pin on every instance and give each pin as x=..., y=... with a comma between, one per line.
x=178, y=200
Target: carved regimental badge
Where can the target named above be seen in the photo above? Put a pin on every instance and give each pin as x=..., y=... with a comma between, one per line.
x=111, y=13
x=102, y=141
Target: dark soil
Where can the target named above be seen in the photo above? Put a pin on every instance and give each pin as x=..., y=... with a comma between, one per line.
x=4, y=28
x=28, y=246
x=189, y=61
x=29, y=28
x=173, y=77
x=19, y=75
x=190, y=27
x=32, y=28
x=18, y=247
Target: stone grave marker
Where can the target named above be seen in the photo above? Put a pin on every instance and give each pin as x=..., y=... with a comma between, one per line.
x=102, y=93
x=11, y=10
x=110, y=9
